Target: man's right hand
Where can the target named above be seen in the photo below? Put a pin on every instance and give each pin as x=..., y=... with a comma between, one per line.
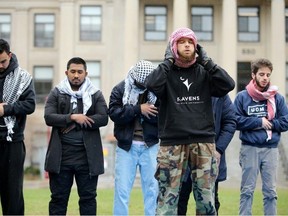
x=266, y=124
x=148, y=109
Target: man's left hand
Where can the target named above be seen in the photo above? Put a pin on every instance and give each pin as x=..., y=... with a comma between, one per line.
x=83, y=120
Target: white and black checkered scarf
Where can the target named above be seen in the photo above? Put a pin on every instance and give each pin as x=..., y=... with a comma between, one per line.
x=138, y=73
x=16, y=82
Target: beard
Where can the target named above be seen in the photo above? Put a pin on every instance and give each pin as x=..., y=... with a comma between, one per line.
x=186, y=58
x=261, y=87
x=75, y=86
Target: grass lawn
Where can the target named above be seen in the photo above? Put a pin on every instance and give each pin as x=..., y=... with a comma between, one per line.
x=36, y=202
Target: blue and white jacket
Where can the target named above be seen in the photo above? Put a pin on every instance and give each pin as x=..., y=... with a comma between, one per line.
x=249, y=120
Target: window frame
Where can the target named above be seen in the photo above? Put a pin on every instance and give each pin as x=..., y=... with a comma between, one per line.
x=201, y=18
x=45, y=41
x=153, y=17
x=96, y=77
x=2, y=34
x=89, y=16
x=243, y=74
x=248, y=22
x=41, y=97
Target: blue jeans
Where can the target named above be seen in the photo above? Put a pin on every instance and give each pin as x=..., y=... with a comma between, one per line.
x=126, y=164
x=253, y=160
x=60, y=187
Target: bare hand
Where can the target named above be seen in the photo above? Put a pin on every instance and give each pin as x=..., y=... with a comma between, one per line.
x=218, y=157
x=148, y=109
x=266, y=124
x=83, y=120
x=2, y=109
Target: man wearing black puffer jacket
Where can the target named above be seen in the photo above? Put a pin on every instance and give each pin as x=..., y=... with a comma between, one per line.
x=132, y=109
x=17, y=100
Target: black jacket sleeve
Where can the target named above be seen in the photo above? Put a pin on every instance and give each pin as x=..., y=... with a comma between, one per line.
x=52, y=115
x=99, y=111
x=119, y=113
x=56, y=118
x=220, y=82
x=156, y=81
x=25, y=105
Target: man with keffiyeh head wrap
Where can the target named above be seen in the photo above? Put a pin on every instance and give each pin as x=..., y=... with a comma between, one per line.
x=184, y=84
x=262, y=115
x=76, y=110
x=17, y=100
x=133, y=110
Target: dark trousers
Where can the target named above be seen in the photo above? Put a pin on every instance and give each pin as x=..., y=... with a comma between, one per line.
x=184, y=195
x=60, y=187
x=12, y=156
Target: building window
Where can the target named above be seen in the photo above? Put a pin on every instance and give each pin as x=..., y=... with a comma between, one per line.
x=248, y=24
x=5, y=27
x=90, y=23
x=43, y=79
x=243, y=75
x=94, y=72
x=202, y=22
x=44, y=30
x=155, y=23
x=286, y=23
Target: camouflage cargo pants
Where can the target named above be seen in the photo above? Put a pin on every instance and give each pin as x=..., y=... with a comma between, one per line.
x=172, y=164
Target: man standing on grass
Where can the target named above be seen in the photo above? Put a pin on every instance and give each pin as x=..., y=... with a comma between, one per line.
x=76, y=110
x=133, y=111
x=262, y=115
x=184, y=84
x=17, y=100
x=225, y=126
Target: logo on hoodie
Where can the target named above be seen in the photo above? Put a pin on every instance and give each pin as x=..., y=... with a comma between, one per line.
x=186, y=83
x=187, y=99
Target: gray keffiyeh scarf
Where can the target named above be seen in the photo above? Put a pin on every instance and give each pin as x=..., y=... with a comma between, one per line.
x=86, y=90
x=138, y=73
x=15, y=84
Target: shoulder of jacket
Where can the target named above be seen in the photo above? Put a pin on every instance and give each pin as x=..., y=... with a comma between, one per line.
x=242, y=93
x=119, y=87
x=58, y=94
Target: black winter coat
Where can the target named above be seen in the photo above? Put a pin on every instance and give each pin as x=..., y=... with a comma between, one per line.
x=57, y=115
x=24, y=106
x=124, y=117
